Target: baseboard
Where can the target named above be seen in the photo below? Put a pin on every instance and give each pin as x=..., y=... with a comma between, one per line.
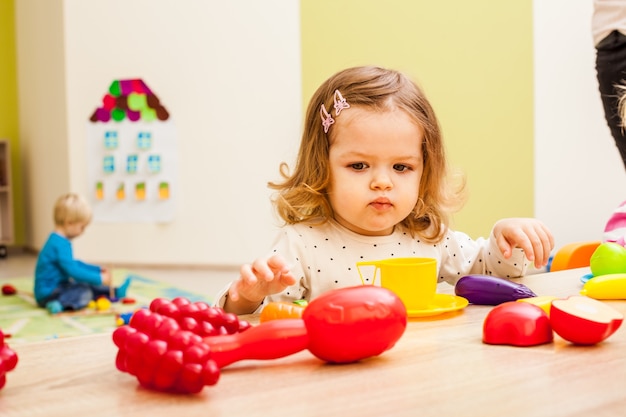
x=27, y=250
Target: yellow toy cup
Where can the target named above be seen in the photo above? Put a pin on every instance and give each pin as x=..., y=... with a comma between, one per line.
x=414, y=280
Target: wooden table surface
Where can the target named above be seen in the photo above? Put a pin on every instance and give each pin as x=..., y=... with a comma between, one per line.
x=439, y=367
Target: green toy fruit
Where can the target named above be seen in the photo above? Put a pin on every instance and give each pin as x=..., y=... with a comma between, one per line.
x=608, y=258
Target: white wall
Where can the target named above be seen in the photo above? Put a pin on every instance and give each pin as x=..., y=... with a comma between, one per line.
x=579, y=176
x=229, y=74
x=41, y=111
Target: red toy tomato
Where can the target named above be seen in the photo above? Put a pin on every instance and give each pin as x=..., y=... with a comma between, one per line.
x=583, y=320
x=354, y=324
x=517, y=324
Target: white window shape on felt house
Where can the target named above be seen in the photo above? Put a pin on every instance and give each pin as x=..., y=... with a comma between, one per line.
x=131, y=163
x=110, y=140
x=108, y=164
x=154, y=163
x=144, y=140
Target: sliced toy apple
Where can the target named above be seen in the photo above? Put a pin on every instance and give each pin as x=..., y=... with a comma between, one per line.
x=583, y=320
x=517, y=324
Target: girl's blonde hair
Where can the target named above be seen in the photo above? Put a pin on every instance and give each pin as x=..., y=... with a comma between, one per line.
x=303, y=197
x=71, y=208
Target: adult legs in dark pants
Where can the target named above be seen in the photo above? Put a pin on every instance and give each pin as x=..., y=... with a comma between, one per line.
x=611, y=71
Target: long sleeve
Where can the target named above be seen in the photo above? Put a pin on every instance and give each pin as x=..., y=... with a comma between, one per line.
x=324, y=257
x=56, y=264
x=461, y=255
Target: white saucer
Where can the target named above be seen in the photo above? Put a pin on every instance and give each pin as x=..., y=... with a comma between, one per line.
x=442, y=303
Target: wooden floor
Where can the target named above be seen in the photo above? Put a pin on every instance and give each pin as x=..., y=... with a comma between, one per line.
x=206, y=281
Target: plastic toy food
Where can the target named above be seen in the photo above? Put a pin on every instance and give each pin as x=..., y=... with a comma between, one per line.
x=608, y=258
x=543, y=301
x=341, y=326
x=8, y=360
x=198, y=317
x=583, y=320
x=344, y=325
x=606, y=287
x=281, y=310
x=355, y=323
x=162, y=346
x=517, y=324
x=488, y=290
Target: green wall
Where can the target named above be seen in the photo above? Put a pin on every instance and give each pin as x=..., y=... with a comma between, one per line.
x=474, y=61
x=8, y=109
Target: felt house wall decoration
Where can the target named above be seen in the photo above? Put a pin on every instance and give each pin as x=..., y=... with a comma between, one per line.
x=131, y=156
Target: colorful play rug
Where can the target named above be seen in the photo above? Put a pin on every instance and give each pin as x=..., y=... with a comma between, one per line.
x=25, y=322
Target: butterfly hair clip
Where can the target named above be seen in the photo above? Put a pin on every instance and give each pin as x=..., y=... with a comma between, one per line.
x=327, y=119
x=340, y=103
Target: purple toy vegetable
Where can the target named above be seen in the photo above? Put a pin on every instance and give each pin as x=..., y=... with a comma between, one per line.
x=488, y=290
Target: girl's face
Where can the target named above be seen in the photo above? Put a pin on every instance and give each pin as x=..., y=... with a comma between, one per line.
x=376, y=164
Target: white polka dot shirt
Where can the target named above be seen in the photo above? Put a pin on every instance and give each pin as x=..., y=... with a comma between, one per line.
x=324, y=257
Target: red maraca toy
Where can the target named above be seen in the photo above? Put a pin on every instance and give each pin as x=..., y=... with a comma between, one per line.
x=340, y=326
x=8, y=360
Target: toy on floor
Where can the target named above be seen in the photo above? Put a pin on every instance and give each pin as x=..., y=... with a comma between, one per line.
x=100, y=307
x=8, y=360
x=340, y=326
x=489, y=290
x=8, y=289
x=123, y=318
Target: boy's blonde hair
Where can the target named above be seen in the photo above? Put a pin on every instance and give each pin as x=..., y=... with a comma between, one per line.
x=71, y=208
x=303, y=197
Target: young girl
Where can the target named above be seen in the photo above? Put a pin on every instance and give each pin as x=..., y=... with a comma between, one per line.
x=61, y=282
x=370, y=183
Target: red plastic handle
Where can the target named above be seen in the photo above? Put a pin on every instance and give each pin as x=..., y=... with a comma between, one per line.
x=269, y=340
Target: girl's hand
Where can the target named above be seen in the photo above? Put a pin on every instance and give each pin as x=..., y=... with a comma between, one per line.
x=529, y=234
x=256, y=281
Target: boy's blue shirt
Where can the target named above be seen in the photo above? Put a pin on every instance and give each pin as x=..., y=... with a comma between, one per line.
x=56, y=265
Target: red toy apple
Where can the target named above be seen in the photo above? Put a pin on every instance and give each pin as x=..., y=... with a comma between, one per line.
x=583, y=320
x=517, y=324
